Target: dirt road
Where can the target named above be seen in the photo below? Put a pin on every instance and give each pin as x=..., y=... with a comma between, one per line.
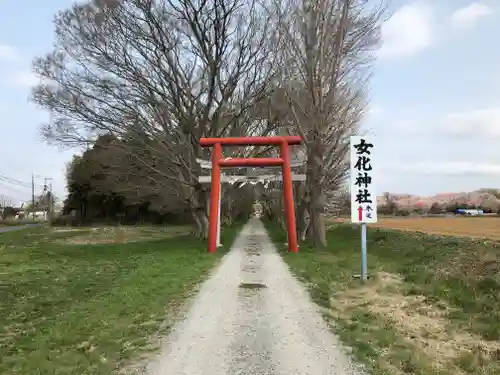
x=252, y=317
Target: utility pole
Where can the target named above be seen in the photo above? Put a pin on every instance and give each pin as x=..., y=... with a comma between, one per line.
x=51, y=203
x=47, y=190
x=33, y=194
x=46, y=196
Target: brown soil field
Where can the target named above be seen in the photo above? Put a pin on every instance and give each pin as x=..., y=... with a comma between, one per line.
x=480, y=227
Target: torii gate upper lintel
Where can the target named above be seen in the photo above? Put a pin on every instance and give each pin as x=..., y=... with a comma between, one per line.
x=218, y=162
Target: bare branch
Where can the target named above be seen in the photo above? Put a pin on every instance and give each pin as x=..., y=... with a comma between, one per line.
x=157, y=76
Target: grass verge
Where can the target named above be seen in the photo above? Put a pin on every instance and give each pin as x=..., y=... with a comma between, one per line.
x=431, y=306
x=15, y=223
x=90, y=309
x=120, y=234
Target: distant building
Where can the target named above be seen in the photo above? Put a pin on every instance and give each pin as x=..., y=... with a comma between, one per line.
x=39, y=215
x=469, y=212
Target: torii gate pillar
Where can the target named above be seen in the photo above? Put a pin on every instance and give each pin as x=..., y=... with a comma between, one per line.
x=219, y=162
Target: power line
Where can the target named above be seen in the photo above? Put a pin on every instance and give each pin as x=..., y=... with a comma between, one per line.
x=17, y=182
x=13, y=181
x=20, y=190
x=7, y=200
x=13, y=190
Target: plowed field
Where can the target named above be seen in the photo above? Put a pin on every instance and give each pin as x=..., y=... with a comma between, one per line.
x=485, y=227
x=481, y=227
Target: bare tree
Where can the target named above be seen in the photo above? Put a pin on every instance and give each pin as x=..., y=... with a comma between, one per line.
x=340, y=202
x=490, y=203
x=5, y=201
x=157, y=75
x=435, y=208
x=326, y=51
x=390, y=205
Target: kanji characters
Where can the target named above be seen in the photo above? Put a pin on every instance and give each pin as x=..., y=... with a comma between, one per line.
x=368, y=212
x=363, y=196
x=363, y=180
x=363, y=148
x=363, y=164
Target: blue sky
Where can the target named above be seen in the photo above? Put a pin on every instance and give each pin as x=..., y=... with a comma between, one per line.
x=25, y=31
x=435, y=112
x=436, y=98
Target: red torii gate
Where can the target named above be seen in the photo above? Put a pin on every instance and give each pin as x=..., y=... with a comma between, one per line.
x=219, y=162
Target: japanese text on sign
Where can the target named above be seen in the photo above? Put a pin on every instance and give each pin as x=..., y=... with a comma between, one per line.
x=363, y=196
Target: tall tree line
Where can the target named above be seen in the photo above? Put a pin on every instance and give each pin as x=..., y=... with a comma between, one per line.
x=156, y=76
x=94, y=197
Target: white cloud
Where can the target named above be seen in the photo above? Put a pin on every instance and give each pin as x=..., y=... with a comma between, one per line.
x=24, y=80
x=469, y=15
x=444, y=168
x=476, y=123
x=396, y=127
x=407, y=32
x=8, y=53
x=374, y=110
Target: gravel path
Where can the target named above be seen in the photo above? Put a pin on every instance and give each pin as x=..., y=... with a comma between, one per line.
x=17, y=227
x=232, y=330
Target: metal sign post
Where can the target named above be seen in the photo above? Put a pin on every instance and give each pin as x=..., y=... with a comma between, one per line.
x=363, y=195
x=364, y=255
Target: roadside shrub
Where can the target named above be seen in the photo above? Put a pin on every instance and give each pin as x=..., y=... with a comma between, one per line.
x=387, y=209
x=65, y=221
x=402, y=212
x=435, y=208
x=418, y=211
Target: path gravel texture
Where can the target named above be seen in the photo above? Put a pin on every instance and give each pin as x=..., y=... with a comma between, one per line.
x=232, y=330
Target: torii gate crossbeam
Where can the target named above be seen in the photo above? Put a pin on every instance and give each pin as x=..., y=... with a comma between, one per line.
x=284, y=161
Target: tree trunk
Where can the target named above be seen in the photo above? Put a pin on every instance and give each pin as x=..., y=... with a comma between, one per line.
x=305, y=226
x=317, y=231
x=300, y=197
x=201, y=221
x=227, y=215
x=303, y=218
x=200, y=213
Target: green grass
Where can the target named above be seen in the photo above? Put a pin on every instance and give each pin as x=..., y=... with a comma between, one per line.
x=432, y=305
x=89, y=309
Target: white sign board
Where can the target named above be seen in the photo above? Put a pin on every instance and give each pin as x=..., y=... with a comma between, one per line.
x=363, y=194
